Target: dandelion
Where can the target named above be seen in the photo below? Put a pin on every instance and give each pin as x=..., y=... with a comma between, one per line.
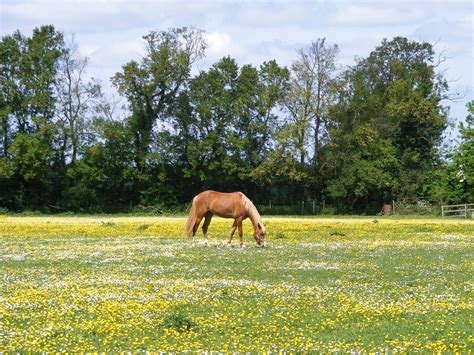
x=133, y=285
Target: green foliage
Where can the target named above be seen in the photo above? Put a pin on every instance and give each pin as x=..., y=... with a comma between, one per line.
x=179, y=320
x=364, y=163
x=279, y=235
x=152, y=85
x=388, y=124
x=226, y=121
x=454, y=183
x=354, y=140
x=30, y=170
x=464, y=157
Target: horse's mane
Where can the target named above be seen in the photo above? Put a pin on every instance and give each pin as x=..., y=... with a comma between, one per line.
x=251, y=210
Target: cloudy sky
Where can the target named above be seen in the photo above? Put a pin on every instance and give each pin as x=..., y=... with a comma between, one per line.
x=109, y=31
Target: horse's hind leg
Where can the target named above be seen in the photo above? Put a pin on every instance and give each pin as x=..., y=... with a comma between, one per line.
x=205, y=225
x=195, y=228
x=232, y=231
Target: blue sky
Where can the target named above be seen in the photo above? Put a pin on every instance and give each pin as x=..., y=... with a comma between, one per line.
x=109, y=31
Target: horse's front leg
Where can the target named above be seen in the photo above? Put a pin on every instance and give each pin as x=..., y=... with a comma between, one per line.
x=232, y=231
x=241, y=232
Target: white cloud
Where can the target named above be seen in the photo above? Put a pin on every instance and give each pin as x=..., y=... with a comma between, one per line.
x=277, y=14
x=110, y=31
x=120, y=50
x=377, y=15
x=465, y=27
x=88, y=50
x=220, y=44
x=104, y=15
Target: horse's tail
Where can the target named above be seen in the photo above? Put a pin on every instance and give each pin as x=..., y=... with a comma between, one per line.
x=191, y=219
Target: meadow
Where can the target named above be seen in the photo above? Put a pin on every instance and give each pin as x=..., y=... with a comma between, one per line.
x=136, y=284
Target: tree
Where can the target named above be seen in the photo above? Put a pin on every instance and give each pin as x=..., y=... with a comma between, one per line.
x=362, y=166
x=104, y=177
x=356, y=139
x=213, y=99
x=38, y=68
x=225, y=122
x=27, y=109
x=463, y=159
x=260, y=92
x=75, y=98
x=152, y=84
x=27, y=75
x=453, y=182
x=310, y=95
x=12, y=92
x=396, y=93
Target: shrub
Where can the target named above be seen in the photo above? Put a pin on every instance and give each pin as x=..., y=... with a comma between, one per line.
x=179, y=321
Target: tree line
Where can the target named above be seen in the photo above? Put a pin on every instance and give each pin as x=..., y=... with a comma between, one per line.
x=354, y=137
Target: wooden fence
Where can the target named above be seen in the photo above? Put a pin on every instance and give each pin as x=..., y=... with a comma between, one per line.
x=458, y=211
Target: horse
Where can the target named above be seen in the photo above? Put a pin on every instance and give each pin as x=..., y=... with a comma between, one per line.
x=227, y=205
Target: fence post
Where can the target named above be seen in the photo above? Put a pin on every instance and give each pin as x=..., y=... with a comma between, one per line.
x=313, y=207
x=302, y=207
x=442, y=211
x=465, y=211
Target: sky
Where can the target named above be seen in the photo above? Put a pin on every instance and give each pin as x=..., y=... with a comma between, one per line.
x=109, y=32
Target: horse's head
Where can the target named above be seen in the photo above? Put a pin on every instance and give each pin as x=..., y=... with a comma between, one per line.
x=260, y=235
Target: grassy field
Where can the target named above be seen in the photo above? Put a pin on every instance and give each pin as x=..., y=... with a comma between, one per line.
x=131, y=284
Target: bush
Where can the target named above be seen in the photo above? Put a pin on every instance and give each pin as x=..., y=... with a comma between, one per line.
x=418, y=207
x=179, y=321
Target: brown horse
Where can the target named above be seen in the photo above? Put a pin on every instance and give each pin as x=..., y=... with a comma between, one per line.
x=227, y=205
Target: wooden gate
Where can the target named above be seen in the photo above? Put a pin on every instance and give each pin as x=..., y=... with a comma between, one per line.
x=458, y=211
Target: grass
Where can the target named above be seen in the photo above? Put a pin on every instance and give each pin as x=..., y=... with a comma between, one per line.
x=135, y=284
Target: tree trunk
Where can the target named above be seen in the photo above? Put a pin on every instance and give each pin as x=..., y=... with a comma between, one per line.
x=142, y=131
x=5, y=135
x=74, y=143
x=62, y=162
x=302, y=157
x=301, y=144
x=316, y=142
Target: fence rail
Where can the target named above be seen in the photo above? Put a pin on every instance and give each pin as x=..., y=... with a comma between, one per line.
x=458, y=211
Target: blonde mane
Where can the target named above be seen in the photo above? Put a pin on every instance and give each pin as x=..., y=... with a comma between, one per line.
x=251, y=211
